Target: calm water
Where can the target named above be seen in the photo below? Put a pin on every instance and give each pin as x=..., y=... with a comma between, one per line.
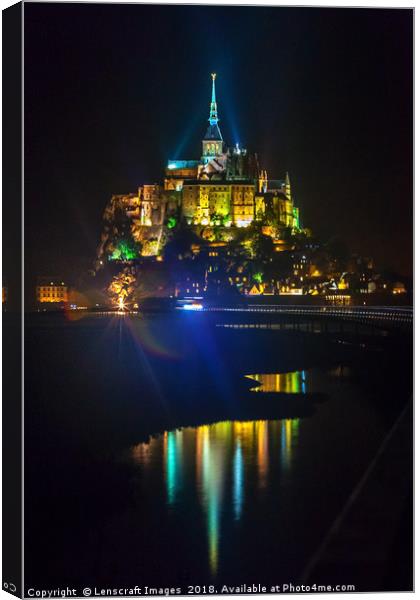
x=169, y=451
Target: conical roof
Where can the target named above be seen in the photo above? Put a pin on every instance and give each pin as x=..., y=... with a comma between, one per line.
x=213, y=133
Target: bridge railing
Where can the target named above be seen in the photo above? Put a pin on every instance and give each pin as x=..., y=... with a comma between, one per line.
x=371, y=314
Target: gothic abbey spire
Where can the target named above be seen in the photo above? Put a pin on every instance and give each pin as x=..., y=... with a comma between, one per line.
x=213, y=119
x=212, y=141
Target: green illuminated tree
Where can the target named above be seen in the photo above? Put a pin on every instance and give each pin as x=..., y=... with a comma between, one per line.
x=121, y=245
x=171, y=222
x=125, y=249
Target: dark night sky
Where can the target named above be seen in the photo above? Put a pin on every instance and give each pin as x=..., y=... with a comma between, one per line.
x=113, y=91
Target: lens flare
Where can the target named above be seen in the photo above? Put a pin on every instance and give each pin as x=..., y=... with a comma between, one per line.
x=121, y=303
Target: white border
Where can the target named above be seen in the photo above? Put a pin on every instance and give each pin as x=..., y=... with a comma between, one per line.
x=320, y=3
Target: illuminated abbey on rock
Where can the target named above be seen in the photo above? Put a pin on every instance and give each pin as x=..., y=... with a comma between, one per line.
x=225, y=188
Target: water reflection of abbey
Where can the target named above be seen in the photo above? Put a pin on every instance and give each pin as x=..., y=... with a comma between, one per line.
x=221, y=462
x=225, y=187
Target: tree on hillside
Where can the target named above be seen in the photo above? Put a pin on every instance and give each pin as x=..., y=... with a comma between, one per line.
x=262, y=247
x=180, y=243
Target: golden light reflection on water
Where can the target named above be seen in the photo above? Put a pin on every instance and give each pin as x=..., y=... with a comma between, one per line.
x=288, y=383
x=225, y=463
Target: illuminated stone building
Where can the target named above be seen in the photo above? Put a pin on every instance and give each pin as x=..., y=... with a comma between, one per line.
x=152, y=206
x=51, y=291
x=218, y=203
x=224, y=188
x=227, y=187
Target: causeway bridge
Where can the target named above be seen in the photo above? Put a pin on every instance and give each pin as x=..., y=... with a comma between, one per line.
x=360, y=319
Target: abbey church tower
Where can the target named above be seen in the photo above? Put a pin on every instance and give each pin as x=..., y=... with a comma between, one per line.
x=213, y=141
